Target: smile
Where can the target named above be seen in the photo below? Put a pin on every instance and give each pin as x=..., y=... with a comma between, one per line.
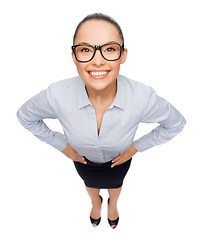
x=98, y=73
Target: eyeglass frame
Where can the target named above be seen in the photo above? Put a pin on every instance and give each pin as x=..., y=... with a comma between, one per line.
x=97, y=47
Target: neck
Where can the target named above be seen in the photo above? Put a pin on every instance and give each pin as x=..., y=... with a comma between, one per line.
x=102, y=96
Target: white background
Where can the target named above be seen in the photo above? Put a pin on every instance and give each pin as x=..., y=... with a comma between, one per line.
x=41, y=195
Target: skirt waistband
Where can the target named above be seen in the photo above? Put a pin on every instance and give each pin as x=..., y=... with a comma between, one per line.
x=90, y=163
x=106, y=164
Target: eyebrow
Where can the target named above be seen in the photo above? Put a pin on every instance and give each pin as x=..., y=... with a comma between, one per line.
x=100, y=44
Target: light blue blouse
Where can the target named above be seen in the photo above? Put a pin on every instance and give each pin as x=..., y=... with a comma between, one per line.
x=67, y=100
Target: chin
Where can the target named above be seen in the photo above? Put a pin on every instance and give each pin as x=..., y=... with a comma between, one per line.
x=98, y=86
x=98, y=83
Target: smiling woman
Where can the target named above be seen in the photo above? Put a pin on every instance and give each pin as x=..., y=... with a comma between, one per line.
x=100, y=111
x=98, y=48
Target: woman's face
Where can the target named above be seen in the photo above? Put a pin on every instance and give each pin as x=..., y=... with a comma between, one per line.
x=97, y=32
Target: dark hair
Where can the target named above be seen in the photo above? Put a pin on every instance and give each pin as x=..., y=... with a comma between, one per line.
x=99, y=16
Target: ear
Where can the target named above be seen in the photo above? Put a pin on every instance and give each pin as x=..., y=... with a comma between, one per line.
x=124, y=56
x=74, y=59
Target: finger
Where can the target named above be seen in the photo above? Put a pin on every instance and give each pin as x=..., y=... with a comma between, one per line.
x=118, y=158
x=84, y=161
x=117, y=163
x=81, y=160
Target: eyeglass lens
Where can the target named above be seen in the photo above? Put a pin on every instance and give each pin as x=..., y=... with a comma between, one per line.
x=109, y=52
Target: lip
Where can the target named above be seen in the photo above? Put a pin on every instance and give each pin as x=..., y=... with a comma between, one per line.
x=98, y=76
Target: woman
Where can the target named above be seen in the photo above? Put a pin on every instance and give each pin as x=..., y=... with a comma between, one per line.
x=100, y=111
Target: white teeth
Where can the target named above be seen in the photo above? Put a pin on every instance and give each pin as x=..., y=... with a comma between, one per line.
x=98, y=73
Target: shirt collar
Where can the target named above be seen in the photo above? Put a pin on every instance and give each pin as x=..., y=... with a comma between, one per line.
x=119, y=100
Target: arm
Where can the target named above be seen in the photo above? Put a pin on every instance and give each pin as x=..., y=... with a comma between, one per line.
x=31, y=116
x=158, y=110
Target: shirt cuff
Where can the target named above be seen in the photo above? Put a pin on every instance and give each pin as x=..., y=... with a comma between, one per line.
x=140, y=146
x=59, y=142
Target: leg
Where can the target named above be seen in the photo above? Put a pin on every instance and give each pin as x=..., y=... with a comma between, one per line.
x=112, y=206
x=96, y=202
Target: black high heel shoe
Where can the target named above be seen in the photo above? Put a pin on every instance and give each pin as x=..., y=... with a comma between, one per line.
x=113, y=222
x=96, y=221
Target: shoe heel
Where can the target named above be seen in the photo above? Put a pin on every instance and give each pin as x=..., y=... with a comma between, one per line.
x=113, y=222
x=96, y=221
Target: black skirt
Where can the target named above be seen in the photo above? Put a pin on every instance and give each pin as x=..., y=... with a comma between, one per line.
x=101, y=175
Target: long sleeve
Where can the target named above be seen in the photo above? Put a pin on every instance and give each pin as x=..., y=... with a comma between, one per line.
x=171, y=122
x=31, y=116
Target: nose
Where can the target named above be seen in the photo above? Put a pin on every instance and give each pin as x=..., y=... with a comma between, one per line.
x=98, y=60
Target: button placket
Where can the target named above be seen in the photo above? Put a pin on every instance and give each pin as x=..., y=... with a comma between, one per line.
x=94, y=132
x=105, y=120
x=103, y=130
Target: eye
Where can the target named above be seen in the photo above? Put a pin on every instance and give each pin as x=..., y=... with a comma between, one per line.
x=85, y=50
x=110, y=49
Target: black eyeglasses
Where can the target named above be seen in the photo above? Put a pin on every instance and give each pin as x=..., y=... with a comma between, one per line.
x=109, y=51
